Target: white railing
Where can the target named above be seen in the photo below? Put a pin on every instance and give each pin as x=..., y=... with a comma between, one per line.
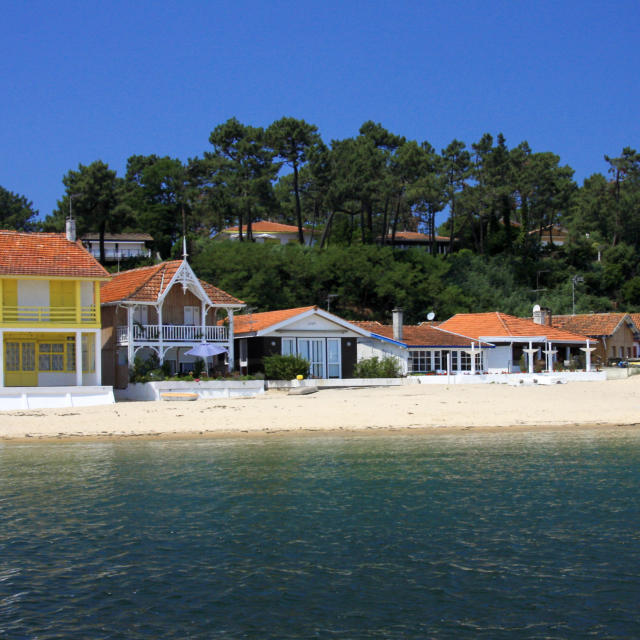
x=171, y=333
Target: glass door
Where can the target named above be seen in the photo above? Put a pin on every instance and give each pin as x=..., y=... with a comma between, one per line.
x=313, y=351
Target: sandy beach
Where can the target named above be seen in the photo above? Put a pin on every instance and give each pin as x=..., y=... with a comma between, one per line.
x=412, y=408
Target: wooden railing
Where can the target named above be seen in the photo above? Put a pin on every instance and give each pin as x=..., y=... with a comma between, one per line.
x=171, y=333
x=47, y=315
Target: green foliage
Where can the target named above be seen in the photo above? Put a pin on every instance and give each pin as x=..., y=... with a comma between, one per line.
x=16, y=212
x=145, y=369
x=375, y=367
x=279, y=367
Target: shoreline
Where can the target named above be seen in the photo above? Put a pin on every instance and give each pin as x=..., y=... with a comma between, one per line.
x=410, y=410
x=370, y=432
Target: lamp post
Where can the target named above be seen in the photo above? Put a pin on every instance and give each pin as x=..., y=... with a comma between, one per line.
x=574, y=281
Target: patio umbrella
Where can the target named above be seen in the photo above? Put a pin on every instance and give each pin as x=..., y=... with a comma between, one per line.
x=204, y=350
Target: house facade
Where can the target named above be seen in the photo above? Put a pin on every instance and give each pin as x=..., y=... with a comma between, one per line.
x=328, y=342
x=118, y=246
x=163, y=311
x=50, y=333
x=265, y=231
x=617, y=334
x=424, y=348
x=520, y=342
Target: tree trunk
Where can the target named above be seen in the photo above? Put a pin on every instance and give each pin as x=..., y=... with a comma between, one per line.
x=298, y=208
x=327, y=229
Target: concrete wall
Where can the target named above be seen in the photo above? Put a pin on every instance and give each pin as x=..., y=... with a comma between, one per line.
x=14, y=398
x=210, y=389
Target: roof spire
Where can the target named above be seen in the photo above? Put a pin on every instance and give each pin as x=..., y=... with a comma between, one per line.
x=184, y=248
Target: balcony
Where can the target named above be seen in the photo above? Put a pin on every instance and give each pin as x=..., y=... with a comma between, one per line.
x=23, y=315
x=178, y=334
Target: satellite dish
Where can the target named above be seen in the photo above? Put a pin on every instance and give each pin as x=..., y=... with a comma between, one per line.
x=430, y=316
x=536, y=308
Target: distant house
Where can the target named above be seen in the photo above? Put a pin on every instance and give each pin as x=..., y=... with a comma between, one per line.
x=423, y=348
x=514, y=337
x=118, y=246
x=266, y=231
x=49, y=316
x=551, y=234
x=328, y=342
x=409, y=239
x=617, y=333
x=164, y=310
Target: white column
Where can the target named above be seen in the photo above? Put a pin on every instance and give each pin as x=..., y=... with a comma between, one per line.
x=230, y=355
x=98, y=346
x=203, y=316
x=530, y=358
x=1, y=358
x=473, y=358
x=130, y=347
x=160, y=333
x=78, y=358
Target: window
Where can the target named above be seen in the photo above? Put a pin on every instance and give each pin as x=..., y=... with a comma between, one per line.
x=141, y=315
x=288, y=346
x=50, y=356
x=192, y=315
x=465, y=361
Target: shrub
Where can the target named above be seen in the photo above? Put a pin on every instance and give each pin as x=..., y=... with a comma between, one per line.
x=143, y=368
x=285, y=367
x=388, y=367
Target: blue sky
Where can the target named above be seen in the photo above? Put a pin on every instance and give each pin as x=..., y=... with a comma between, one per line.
x=105, y=80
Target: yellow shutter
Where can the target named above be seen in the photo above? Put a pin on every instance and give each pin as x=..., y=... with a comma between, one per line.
x=62, y=293
x=10, y=293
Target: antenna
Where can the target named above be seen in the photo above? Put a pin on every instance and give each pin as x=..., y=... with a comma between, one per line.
x=430, y=316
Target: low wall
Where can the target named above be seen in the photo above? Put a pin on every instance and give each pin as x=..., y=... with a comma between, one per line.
x=454, y=378
x=207, y=389
x=13, y=398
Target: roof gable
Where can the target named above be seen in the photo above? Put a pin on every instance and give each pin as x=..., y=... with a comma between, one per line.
x=422, y=335
x=269, y=321
x=150, y=284
x=46, y=254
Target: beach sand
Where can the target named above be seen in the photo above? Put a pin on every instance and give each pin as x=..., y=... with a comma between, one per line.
x=414, y=408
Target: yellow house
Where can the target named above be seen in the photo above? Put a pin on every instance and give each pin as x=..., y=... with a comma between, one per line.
x=50, y=330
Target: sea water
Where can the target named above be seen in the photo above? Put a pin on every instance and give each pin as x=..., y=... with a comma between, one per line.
x=515, y=535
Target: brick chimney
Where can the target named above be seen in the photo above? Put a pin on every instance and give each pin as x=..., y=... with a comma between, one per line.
x=397, y=324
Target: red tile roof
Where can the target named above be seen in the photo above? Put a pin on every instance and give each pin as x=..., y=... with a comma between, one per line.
x=636, y=319
x=46, y=254
x=423, y=335
x=590, y=324
x=266, y=226
x=146, y=284
x=250, y=322
x=495, y=324
x=418, y=237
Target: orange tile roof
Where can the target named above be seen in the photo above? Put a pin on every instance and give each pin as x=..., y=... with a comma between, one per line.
x=266, y=226
x=46, y=254
x=423, y=335
x=146, y=284
x=590, y=324
x=416, y=236
x=495, y=324
x=250, y=322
